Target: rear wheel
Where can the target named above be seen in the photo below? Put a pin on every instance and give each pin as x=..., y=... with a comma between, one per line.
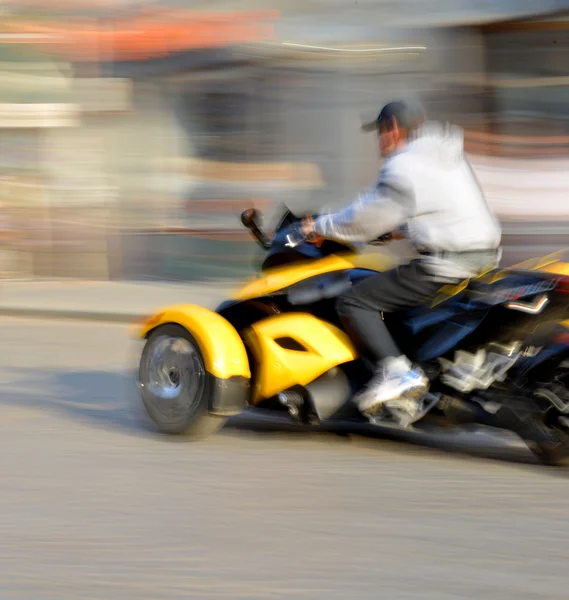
x=174, y=384
x=551, y=456
x=555, y=451
x=551, y=445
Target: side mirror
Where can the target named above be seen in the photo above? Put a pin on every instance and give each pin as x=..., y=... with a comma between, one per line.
x=251, y=218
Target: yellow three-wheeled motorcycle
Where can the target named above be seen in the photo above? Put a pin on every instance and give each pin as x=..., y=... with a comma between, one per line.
x=495, y=349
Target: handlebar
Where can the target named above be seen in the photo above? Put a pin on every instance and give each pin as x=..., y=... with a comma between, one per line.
x=250, y=219
x=297, y=237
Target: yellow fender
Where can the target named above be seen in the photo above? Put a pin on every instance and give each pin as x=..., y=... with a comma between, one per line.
x=322, y=347
x=223, y=351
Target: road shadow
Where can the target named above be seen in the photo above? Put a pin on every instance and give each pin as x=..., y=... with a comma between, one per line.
x=110, y=400
x=96, y=398
x=481, y=444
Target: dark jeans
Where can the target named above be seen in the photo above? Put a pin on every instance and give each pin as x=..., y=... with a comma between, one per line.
x=360, y=308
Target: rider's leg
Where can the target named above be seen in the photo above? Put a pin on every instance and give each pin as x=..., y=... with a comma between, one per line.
x=360, y=310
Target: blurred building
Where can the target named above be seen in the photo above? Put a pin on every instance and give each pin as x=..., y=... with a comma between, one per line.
x=157, y=127
x=104, y=164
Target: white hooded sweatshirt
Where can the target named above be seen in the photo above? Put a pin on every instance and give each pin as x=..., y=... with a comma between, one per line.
x=429, y=191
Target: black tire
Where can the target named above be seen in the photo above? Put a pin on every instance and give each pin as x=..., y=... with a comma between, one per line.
x=551, y=446
x=175, y=388
x=551, y=455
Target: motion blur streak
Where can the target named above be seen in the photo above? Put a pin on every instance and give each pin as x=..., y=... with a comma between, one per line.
x=393, y=49
x=134, y=134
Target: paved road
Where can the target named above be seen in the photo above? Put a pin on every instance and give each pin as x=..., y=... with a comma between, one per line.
x=93, y=505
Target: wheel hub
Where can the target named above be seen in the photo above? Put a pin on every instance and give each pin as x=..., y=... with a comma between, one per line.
x=174, y=376
x=172, y=368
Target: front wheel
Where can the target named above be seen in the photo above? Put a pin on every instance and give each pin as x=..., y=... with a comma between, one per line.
x=174, y=384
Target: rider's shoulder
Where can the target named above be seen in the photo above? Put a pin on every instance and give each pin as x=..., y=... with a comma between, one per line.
x=394, y=166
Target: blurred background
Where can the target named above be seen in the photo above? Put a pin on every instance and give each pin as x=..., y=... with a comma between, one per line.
x=134, y=133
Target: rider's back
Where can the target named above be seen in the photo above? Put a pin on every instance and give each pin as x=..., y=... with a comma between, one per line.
x=450, y=213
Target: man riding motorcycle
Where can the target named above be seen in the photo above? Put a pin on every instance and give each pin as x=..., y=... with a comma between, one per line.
x=428, y=191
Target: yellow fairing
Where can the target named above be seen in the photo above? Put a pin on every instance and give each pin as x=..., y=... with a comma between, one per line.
x=550, y=263
x=223, y=351
x=558, y=268
x=282, y=277
x=279, y=278
x=278, y=368
x=547, y=264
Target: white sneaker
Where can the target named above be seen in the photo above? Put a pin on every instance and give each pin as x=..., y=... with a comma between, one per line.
x=398, y=387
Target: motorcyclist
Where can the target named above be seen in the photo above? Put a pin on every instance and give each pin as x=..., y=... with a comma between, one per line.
x=428, y=191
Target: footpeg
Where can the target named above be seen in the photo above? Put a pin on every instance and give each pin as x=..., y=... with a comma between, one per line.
x=293, y=401
x=394, y=415
x=428, y=402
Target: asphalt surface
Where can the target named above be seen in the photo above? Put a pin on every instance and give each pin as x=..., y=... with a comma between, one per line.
x=95, y=505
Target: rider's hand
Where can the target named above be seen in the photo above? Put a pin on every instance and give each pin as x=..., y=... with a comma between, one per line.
x=396, y=236
x=307, y=226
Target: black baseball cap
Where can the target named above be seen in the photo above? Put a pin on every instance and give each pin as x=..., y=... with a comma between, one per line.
x=407, y=114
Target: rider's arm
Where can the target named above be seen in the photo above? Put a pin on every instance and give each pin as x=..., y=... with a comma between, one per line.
x=387, y=206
